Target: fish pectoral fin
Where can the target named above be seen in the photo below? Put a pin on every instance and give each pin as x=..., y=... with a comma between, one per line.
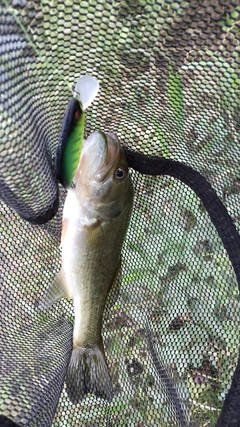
x=56, y=291
x=95, y=235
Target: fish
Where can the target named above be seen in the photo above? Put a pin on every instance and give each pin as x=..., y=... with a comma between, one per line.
x=96, y=215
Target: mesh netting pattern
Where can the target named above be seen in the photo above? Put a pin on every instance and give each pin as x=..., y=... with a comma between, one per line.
x=27, y=180
x=169, y=78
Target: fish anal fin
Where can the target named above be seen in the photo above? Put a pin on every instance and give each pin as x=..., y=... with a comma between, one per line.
x=55, y=291
x=88, y=373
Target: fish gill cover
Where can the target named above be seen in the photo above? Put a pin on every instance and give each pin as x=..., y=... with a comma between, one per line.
x=169, y=76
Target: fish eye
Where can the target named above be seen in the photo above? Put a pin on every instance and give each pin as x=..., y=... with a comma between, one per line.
x=119, y=173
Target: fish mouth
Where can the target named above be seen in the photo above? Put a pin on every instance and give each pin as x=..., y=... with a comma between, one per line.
x=112, y=152
x=103, y=150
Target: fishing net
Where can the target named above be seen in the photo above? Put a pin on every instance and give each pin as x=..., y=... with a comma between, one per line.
x=169, y=78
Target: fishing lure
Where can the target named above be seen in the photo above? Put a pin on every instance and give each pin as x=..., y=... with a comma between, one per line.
x=72, y=131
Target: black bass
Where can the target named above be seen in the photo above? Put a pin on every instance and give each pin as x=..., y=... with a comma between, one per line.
x=95, y=220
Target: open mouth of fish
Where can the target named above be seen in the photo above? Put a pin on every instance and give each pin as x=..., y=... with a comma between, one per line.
x=103, y=150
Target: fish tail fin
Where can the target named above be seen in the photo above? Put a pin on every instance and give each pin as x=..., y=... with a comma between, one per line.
x=88, y=373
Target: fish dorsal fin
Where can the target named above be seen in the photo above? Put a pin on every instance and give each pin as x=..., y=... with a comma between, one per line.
x=56, y=291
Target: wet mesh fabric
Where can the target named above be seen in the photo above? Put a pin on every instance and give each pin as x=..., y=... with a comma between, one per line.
x=169, y=79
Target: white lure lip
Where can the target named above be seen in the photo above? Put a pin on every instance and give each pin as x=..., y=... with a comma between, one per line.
x=86, y=90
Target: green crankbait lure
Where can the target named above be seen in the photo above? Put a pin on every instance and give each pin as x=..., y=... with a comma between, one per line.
x=72, y=131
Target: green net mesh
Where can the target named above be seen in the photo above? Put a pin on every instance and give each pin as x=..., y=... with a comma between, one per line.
x=169, y=78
